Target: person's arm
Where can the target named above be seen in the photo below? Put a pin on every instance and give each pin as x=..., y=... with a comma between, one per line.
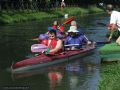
x=86, y=40
x=58, y=46
x=66, y=41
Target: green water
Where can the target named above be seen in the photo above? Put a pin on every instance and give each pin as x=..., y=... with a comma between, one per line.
x=15, y=46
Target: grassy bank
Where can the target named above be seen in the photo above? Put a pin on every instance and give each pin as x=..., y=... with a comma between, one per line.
x=7, y=17
x=110, y=77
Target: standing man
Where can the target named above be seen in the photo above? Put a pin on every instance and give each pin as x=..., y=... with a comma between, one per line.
x=62, y=5
x=114, y=25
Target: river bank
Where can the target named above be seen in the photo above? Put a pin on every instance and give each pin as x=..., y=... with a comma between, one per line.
x=110, y=76
x=7, y=17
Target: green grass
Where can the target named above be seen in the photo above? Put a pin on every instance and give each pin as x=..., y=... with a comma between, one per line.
x=110, y=77
x=7, y=17
x=93, y=9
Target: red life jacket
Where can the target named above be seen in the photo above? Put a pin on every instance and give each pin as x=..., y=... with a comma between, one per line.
x=61, y=28
x=52, y=45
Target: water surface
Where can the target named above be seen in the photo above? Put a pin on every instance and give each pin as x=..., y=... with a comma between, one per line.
x=80, y=74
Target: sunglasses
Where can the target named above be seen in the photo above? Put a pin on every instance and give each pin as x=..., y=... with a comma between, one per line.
x=51, y=36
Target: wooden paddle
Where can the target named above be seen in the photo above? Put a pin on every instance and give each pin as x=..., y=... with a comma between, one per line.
x=67, y=21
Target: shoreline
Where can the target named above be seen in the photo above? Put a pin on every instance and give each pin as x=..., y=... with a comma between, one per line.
x=9, y=17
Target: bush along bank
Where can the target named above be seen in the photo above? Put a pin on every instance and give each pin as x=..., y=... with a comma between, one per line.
x=7, y=17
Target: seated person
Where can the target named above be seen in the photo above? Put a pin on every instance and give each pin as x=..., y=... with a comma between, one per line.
x=58, y=28
x=54, y=44
x=55, y=24
x=75, y=39
x=74, y=23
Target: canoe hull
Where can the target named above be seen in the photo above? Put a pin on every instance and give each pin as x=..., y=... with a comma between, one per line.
x=44, y=61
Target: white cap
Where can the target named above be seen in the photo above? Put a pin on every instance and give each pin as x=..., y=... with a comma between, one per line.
x=73, y=29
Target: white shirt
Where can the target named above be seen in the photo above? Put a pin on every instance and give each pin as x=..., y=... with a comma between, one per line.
x=115, y=18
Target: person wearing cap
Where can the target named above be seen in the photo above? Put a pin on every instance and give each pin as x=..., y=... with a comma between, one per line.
x=75, y=39
x=114, y=25
x=59, y=29
x=74, y=23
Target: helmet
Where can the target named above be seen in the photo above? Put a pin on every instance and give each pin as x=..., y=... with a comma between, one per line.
x=43, y=36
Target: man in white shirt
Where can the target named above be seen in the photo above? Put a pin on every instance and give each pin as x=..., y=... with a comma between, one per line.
x=114, y=21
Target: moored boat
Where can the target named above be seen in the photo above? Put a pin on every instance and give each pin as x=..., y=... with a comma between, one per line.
x=47, y=60
x=110, y=52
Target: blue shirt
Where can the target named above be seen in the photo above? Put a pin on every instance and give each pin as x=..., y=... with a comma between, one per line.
x=79, y=39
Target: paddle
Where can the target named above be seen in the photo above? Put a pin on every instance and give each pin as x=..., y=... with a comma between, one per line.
x=106, y=42
x=71, y=45
x=39, y=48
x=35, y=39
x=67, y=21
x=98, y=43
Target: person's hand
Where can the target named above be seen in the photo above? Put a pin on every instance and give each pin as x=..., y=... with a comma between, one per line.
x=43, y=51
x=46, y=51
x=109, y=39
x=89, y=42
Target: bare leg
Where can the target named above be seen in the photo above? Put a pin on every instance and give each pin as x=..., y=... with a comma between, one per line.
x=118, y=40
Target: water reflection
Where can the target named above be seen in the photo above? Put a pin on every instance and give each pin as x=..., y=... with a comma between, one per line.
x=80, y=74
x=55, y=77
x=82, y=77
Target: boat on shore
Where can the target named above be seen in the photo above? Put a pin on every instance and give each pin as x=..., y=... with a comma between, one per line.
x=110, y=52
x=43, y=60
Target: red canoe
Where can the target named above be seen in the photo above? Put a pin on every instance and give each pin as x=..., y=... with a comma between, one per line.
x=46, y=60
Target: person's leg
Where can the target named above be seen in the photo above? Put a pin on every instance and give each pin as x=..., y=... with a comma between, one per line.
x=118, y=40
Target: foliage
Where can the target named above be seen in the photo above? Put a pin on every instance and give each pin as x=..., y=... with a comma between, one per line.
x=110, y=77
x=17, y=16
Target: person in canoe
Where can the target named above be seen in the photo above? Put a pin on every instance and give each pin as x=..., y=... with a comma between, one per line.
x=74, y=23
x=114, y=25
x=59, y=30
x=45, y=36
x=54, y=44
x=75, y=39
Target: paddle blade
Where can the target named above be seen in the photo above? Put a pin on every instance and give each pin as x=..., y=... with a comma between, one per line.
x=35, y=39
x=69, y=20
x=38, y=47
